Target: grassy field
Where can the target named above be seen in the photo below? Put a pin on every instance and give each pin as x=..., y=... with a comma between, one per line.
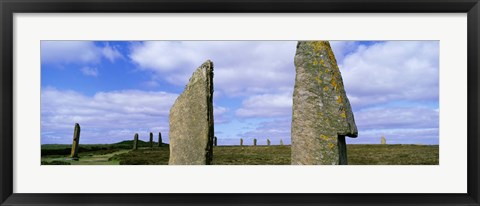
x=121, y=153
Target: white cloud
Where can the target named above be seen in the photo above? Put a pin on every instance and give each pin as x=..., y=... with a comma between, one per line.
x=241, y=67
x=111, y=53
x=266, y=105
x=90, y=71
x=343, y=48
x=397, y=117
x=219, y=114
x=104, y=117
x=64, y=52
x=392, y=71
x=76, y=52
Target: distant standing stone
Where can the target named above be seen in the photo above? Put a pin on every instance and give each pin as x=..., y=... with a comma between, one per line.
x=254, y=142
x=135, y=142
x=281, y=142
x=215, y=141
x=383, y=140
x=268, y=142
x=160, y=139
x=151, y=140
x=241, y=142
x=322, y=115
x=76, y=140
x=191, y=120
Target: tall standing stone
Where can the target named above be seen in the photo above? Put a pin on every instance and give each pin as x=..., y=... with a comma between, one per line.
x=268, y=142
x=241, y=142
x=160, y=139
x=151, y=140
x=383, y=140
x=321, y=113
x=254, y=142
x=215, y=141
x=191, y=120
x=135, y=142
x=281, y=142
x=76, y=140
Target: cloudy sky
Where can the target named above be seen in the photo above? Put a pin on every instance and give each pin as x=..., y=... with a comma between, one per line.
x=116, y=89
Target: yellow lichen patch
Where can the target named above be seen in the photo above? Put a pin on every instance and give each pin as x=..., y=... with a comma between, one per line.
x=343, y=114
x=334, y=82
x=318, y=79
x=324, y=137
x=315, y=62
x=322, y=62
x=340, y=99
x=325, y=88
x=331, y=145
x=319, y=45
x=332, y=56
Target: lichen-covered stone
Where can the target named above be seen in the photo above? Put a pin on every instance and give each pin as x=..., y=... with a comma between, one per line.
x=383, y=140
x=135, y=142
x=191, y=120
x=76, y=140
x=321, y=113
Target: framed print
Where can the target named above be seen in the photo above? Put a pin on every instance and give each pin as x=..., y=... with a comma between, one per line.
x=252, y=103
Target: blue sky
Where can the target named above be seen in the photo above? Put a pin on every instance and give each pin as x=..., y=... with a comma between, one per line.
x=116, y=89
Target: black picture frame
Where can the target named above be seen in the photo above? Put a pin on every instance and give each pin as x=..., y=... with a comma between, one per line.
x=10, y=7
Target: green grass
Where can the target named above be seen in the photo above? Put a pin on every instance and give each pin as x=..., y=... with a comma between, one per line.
x=244, y=155
x=250, y=155
x=144, y=156
x=65, y=149
x=393, y=154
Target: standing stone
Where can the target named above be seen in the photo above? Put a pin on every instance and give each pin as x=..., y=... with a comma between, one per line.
x=215, y=141
x=383, y=140
x=254, y=142
x=281, y=142
x=191, y=120
x=321, y=113
x=135, y=142
x=76, y=140
x=268, y=142
x=241, y=142
x=151, y=140
x=160, y=139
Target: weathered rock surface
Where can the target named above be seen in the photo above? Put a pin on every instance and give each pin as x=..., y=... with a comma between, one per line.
x=191, y=120
x=321, y=113
x=383, y=140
